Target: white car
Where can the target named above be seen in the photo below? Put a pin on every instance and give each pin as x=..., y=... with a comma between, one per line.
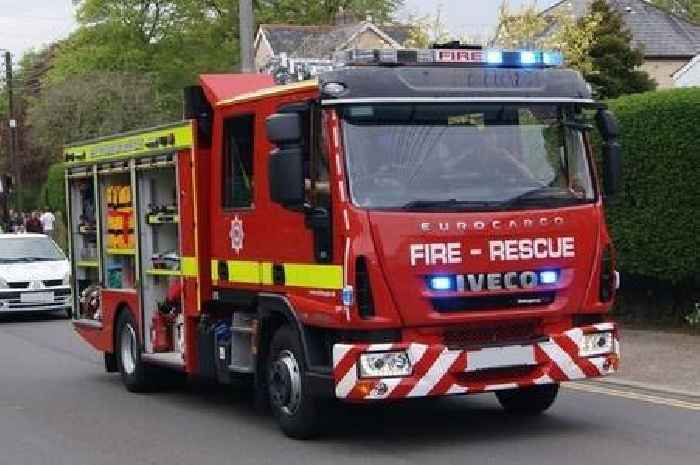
x=34, y=275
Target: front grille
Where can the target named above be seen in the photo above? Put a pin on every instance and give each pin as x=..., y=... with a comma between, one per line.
x=53, y=282
x=18, y=285
x=497, y=334
x=491, y=302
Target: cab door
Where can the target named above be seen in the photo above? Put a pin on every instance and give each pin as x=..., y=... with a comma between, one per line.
x=255, y=243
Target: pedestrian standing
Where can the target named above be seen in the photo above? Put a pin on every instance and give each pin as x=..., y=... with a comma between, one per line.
x=48, y=223
x=16, y=221
x=33, y=224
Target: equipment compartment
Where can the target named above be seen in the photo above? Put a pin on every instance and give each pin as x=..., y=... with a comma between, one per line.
x=84, y=244
x=118, y=233
x=159, y=244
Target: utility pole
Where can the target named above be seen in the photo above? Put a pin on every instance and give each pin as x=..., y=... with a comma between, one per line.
x=14, y=162
x=246, y=20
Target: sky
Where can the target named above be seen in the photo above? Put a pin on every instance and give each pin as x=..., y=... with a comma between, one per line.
x=25, y=24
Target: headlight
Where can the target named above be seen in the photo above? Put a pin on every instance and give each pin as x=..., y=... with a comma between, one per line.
x=596, y=344
x=66, y=279
x=3, y=283
x=384, y=364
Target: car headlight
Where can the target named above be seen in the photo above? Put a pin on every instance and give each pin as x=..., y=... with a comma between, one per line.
x=3, y=284
x=384, y=364
x=596, y=344
x=66, y=278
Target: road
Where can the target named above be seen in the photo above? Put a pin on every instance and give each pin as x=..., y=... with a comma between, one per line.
x=57, y=407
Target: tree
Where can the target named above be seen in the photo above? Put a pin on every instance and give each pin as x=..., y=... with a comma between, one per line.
x=312, y=12
x=88, y=106
x=173, y=41
x=615, y=64
x=426, y=30
x=528, y=28
x=686, y=9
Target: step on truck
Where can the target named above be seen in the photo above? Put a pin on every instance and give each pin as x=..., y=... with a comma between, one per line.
x=411, y=223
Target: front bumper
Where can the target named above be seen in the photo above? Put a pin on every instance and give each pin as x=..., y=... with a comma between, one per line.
x=439, y=371
x=11, y=301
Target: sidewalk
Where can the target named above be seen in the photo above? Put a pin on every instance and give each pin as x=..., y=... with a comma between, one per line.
x=661, y=360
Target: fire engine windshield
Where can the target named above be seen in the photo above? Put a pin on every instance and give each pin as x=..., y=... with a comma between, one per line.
x=464, y=156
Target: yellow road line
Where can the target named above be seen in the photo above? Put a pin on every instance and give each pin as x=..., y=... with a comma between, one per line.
x=633, y=395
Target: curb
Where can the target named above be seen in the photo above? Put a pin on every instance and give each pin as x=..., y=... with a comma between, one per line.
x=621, y=382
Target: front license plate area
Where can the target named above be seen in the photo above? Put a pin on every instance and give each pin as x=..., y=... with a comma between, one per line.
x=500, y=357
x=36, y=297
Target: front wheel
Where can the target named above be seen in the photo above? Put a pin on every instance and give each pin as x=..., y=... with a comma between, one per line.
x=531, y=400
x=294, y=407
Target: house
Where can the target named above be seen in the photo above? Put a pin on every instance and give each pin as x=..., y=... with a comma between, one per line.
x=688, y=75
x=669, y=42
x=294, y=52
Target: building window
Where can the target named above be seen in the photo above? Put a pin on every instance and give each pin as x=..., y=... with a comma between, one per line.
x=238, y=180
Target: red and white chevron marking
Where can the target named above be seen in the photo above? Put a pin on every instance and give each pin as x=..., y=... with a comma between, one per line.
x=438, y=370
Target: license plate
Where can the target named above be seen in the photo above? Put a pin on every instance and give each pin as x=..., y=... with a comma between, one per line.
x=501, y=357
x=36, y=297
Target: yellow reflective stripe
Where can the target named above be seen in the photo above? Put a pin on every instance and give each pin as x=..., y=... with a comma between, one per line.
x=244, y=272
x=176, y=136
x=189, y=267
x=295, y=274
x=266, y=273
x=315, y=276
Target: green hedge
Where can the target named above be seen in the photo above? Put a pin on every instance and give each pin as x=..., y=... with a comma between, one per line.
x=655, y=220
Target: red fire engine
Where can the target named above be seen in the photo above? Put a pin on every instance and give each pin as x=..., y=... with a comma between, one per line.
x=412, y=223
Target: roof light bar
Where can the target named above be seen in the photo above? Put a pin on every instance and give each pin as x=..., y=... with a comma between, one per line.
x=453, y=56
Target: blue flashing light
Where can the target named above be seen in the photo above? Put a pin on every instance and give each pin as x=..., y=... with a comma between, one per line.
x=549, y=277
x=348, y=295
x=494, y=57
x=528, y=58
x=552, y=58
x=440, y=283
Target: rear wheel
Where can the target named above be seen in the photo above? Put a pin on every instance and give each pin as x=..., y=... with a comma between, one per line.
x=135, y=374
x=531, y=400
x=294, y=407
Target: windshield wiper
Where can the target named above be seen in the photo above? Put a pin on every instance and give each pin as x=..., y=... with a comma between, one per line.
x=542, y=194
x=451, y=204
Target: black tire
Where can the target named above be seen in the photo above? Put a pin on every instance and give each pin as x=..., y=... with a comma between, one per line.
x=135, y=374
x=69, y=312
x=528, y=401
x=295, y=409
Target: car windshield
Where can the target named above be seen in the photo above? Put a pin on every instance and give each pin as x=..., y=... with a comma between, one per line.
x=29, y=249
x=457, y=156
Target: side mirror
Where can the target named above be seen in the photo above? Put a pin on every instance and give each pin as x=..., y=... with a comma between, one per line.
x=612, y=158
x=286, y=162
